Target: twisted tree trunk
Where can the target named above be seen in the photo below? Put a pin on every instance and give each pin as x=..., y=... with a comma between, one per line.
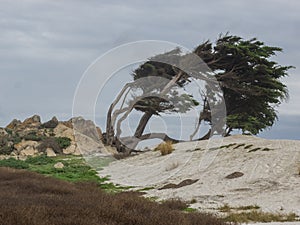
x=142, y=124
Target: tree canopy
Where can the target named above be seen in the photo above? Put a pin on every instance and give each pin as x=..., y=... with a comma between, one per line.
x=243, y=69
x=250, y=80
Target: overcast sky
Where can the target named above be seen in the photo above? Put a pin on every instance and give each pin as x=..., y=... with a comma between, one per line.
x=46, y=45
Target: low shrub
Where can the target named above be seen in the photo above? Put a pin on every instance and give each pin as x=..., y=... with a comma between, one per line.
x=40, y=160
x=13, y=163
x=6, y=150
x=63, y=142
x=175, y=204
x=58, y=202
x=50, y=142
x=9, y=131
x=165, y=148
x=32, y=137
x=259, y=216
x=7, y=142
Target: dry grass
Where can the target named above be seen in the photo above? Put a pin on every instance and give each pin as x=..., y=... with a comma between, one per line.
x=252, y=213
x=259, y=216
x=27, y=198
x=227, y=208
x=175, y=204
x=165, y=148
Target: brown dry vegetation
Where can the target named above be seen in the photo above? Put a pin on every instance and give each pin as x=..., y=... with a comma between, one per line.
x=165, y=148
x=27, y=198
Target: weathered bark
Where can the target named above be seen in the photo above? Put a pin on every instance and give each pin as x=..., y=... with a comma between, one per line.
x=147, y=115
x=166, y=89
x=142, y=124
x=110, y=120
x=201, y=118
x=161, y=136
x=109, y=135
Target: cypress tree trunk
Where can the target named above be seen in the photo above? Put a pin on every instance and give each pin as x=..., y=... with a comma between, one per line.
x=142, y=124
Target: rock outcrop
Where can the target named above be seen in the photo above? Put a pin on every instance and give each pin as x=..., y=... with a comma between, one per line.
x=51, y=123
x=31, y=137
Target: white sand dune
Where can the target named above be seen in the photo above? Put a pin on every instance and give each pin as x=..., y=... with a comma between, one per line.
x=271, y=173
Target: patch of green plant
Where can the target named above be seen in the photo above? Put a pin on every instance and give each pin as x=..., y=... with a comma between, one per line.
x=6, y=150
x=56, y=143
x=188, y=209
x=248, y=146
x=14, y=163
x=255, y=149
x=16, y=139
x=9, y=131
x=32, y=137
x=7, y=142
x=75, y=170
x=63, y=142
x=146, y=189
x=40, y=160
x=239, y=145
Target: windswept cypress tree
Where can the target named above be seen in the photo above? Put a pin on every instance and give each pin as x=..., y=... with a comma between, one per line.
x=244, y=70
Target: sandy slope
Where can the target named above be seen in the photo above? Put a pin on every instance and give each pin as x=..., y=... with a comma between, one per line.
x=270, y=179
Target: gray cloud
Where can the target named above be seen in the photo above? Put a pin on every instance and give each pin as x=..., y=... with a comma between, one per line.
x=47, y=45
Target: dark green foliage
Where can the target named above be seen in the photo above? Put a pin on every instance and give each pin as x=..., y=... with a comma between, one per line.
x=249, y=79
x=6, y=150
x=63, y=142
x=13, y=163
x=39, y=160
x=9, y=131
x=7, y=143
x=245, y=71
x=16, y=139
x=163, y=73
x=33, y=137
